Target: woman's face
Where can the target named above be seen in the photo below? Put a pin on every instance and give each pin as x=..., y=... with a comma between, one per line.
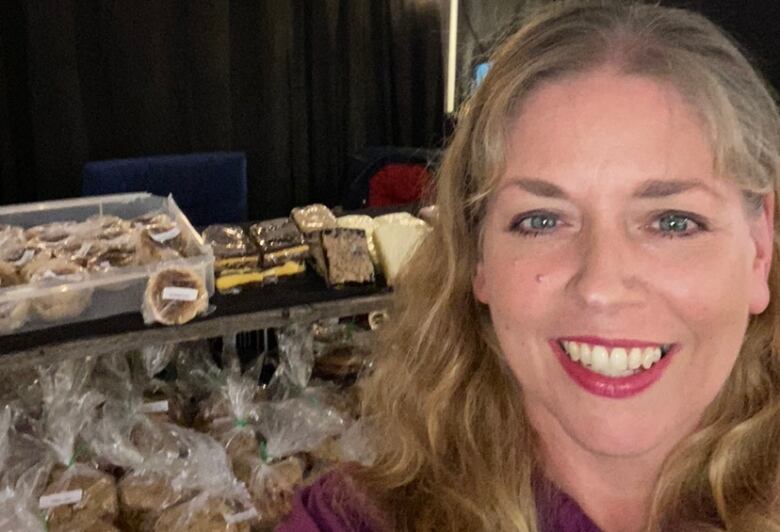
x=608, y=244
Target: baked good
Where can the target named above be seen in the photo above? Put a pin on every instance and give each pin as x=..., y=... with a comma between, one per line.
x=152, y=218
x=342, y=257
x=279, y=240
x=142, y=498
x=175, y=295
x=159, y=242
x=198, y=515
x=364, y=222
x=66, y=302
x=107, y=258
x=396, y=242
x=230, y=280
x=272, y=487
x=13, y=312
x=98, y=500
x=12, y=243
x=340, y=363
x=233, y=249
x=313, y=218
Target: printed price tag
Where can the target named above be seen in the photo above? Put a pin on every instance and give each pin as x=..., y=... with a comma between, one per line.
x=167, y=235
x=155, y=407
x=241, y=517
x=60, y=499
x=177, y=293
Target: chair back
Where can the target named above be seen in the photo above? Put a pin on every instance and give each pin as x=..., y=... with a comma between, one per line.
x=209, y=187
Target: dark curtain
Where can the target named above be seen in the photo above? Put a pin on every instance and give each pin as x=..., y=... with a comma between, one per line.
x=298, y=85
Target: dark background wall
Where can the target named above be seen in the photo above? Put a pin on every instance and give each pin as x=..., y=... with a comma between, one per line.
x=299, y=85
x=754, y=23
x=296, y=84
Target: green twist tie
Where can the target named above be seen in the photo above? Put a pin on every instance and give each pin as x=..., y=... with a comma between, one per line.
x=72, y=460
x=264, y=452
x=241, y=423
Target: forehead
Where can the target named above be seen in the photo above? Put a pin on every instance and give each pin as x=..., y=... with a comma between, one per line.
x=603, y=125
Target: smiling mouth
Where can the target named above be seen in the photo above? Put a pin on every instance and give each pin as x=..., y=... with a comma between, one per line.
x=614, y=361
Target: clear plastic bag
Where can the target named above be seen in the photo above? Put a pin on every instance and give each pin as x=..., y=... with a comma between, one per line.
x=174, y=492
x=77, y=494
x=174, y=295
x=296, y=361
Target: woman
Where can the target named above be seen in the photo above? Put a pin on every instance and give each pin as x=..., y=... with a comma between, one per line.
x=588, y=339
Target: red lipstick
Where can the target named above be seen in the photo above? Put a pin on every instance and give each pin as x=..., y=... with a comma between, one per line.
x=612, y=387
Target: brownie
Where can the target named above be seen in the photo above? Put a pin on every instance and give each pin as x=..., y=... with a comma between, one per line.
x=342, y=257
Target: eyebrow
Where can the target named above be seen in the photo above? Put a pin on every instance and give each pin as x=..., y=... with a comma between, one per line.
x=650, y=189
x=659, y=188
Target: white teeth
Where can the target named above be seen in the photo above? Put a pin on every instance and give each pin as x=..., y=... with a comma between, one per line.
x=650, y=355
x=634, y=358
x=600, y=361
x=615, y=362
x=618, y=360
x=585, y=358
x=574, y=351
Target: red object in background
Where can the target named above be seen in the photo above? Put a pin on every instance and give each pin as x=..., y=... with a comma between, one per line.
x=397, y=184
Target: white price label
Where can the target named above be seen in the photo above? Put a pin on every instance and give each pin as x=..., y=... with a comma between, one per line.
x=166, y=236
x=177, y=293
x=60, y=499
x=155, y=407
x=241, y=517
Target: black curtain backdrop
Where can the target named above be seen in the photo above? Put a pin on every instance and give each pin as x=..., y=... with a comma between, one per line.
x=296, y=84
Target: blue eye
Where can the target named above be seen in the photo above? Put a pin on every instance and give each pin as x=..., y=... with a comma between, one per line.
x=674, y=224
x=534, y=224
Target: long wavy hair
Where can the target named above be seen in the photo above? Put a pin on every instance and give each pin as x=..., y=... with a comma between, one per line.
x=455, y=448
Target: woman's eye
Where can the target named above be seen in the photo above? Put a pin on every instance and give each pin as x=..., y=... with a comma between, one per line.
x=676, y=224
x=535, y=224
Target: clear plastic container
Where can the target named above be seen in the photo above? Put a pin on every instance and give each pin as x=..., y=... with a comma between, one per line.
x=118, y=290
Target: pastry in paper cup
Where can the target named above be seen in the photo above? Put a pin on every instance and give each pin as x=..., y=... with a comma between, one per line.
x=174, y=296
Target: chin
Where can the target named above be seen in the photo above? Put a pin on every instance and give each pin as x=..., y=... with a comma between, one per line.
x=620, y=436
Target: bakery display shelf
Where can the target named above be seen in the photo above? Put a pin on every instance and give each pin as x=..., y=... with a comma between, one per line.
x=290, y=300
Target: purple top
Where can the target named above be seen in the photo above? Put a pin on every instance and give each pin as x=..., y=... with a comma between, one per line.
x=313, y=511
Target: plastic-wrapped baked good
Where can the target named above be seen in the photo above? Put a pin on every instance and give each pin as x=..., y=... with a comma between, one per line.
x=203, y=514
x=14, y=313
x=313, y=218
x=66, y=301
x=232, y=247
x=174, y=296
x=279, y=241
x=272, y=487
x=105, y=259
x=364, y=222
x=152, y=218
x=231, y=280
x=95, y=506
x=12, y=243
x=77, y=496
x=341, y=363
x=342, y=257
x=158, y=243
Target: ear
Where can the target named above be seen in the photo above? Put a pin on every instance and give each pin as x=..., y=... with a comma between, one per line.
x=762, y=233
x=478, y=284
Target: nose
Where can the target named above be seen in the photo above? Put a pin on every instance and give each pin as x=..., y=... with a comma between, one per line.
x=606, y=278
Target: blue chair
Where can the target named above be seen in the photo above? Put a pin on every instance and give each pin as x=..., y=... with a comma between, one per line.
x=209, y=187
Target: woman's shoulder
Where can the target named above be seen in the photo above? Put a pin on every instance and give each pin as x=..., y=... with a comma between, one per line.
x=332, y=503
